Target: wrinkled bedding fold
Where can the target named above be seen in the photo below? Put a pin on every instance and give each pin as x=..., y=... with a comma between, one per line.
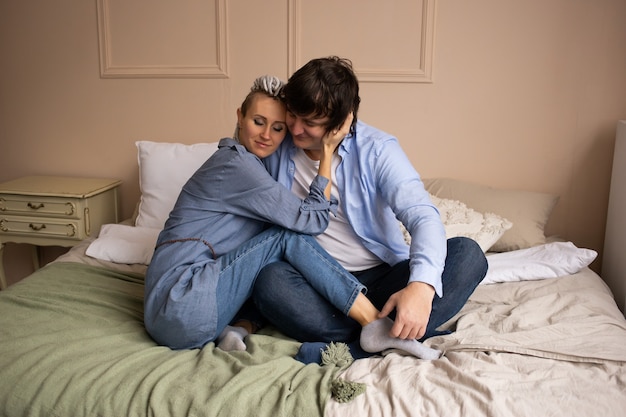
x=552, y=347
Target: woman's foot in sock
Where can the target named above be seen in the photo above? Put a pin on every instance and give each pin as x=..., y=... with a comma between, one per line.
x=231, y=339
x=375, y=338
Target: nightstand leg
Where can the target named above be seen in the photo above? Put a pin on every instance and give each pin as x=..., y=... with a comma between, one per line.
x=35, y=254
x=3, y=279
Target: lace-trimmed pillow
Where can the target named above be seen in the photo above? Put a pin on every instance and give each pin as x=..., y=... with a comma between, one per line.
x=460, y=220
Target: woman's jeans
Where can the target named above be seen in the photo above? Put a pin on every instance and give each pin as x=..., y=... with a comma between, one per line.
x=191, y=297
x=293, y=306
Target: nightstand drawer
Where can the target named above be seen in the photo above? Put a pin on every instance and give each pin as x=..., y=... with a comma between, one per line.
x=42, y=227
x=38, y=206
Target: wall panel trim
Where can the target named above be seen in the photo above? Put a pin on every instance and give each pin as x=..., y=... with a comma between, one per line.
x=419, y=74
x=109, y=69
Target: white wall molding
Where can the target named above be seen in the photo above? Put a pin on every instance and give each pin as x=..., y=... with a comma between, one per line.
x=424, y=47
x=110, y=68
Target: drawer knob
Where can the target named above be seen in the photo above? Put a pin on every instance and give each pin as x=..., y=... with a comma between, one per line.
x=71, y=230
x=37, y=227
x=35, y=206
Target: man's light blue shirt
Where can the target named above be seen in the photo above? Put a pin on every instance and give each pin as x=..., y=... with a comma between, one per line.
x=379, y=186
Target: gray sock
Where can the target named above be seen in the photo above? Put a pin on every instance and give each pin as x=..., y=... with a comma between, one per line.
x=375, y=338
x=231, y=338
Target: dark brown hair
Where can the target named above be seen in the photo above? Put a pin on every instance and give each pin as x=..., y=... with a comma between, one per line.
x=324, y=87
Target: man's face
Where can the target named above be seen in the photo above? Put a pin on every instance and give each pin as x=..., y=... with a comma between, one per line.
x=307, y=132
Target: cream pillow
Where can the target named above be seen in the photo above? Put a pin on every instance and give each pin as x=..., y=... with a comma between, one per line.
x=528, y=211
x=163, y=170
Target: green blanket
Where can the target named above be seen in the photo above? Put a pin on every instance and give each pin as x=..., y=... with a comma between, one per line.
x=72, y=343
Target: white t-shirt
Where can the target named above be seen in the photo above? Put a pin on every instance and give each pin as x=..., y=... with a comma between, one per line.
x=339, y=239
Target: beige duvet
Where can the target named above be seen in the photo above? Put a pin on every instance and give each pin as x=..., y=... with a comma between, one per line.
x=554, y=347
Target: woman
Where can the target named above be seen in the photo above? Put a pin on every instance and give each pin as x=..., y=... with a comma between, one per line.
x=216, y=240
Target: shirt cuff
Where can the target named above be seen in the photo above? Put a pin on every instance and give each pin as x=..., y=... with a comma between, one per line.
x=426, y=277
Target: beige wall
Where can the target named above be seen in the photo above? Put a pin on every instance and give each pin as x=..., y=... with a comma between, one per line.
x=522, y=94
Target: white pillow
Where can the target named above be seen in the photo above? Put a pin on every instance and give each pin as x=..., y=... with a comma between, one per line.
x=163, y=170
x=549, y=260
x=124, y=244
x=460, y=220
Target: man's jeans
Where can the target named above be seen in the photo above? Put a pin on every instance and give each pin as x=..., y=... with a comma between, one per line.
x=287, y=301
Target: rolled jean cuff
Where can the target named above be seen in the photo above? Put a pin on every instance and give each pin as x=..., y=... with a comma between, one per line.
x=358, y=289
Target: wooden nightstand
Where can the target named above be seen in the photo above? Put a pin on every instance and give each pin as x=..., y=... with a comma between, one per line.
x=54, y=211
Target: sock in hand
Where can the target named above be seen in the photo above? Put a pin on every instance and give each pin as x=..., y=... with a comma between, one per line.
x=375, y=338
x=231, y=339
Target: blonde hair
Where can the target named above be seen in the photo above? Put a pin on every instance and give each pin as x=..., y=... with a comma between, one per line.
x=266, y=84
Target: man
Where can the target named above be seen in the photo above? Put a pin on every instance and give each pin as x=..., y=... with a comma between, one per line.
x=421, y=286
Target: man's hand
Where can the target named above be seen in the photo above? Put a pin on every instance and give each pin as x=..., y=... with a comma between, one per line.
x=413, y=305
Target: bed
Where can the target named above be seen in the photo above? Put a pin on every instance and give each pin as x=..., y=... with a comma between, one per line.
x=541, y=335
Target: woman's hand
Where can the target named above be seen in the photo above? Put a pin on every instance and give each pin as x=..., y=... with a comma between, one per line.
x=332, y=139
